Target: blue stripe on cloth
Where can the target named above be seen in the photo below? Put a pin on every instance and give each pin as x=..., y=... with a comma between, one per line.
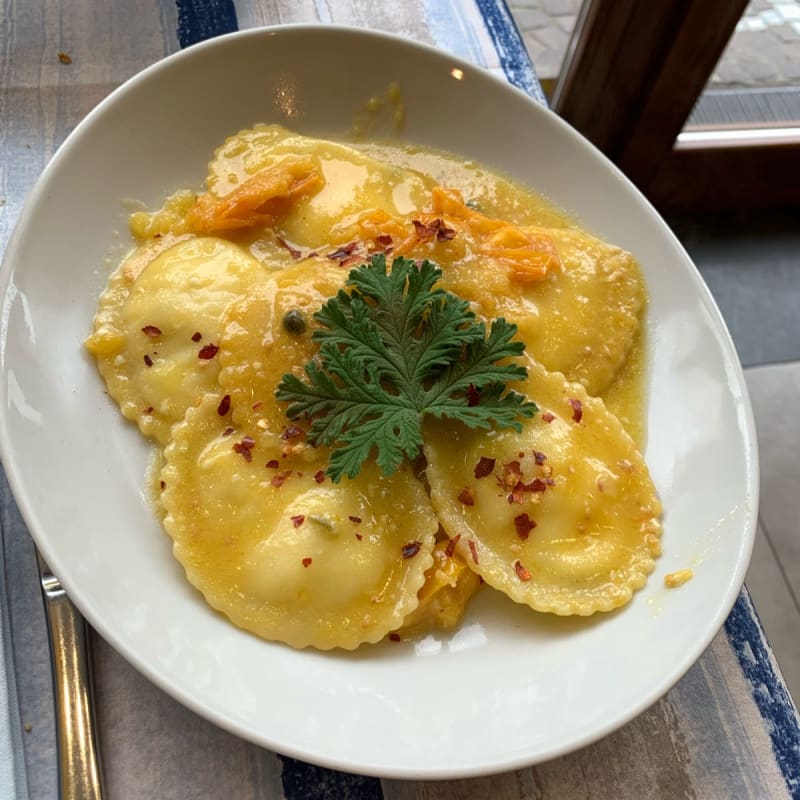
x=303, y=781
x=770, y=695
x=199, y=20
x=514, y=58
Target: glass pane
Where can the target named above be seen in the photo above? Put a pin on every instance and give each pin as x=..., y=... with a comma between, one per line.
x=757, y=81
x=546, y=26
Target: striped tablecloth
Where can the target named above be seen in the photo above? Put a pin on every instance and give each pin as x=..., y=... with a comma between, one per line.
x=727, y=730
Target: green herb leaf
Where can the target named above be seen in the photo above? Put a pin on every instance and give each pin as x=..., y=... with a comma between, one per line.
x=395, y=348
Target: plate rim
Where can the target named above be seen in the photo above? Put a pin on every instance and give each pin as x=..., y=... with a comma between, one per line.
x=27, y=505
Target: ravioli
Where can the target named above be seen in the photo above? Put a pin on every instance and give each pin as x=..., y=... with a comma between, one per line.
x=580, y=318
x=449, y=586
x=259, y=343
x=353, y=182
x=586, y=318
x=282, y=551
x=156, y=332
x=197, y=327
x=562, y=517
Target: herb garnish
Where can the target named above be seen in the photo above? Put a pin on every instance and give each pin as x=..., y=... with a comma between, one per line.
x=392, y=350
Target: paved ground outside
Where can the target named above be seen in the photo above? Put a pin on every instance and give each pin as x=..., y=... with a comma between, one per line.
x=764, y=51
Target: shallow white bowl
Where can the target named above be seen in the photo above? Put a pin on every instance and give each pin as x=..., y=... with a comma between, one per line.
x=510, y=687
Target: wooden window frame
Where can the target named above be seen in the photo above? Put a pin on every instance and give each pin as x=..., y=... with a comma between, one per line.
x=633, y=72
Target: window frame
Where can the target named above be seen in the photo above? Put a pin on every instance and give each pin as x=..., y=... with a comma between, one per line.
x=647, y=63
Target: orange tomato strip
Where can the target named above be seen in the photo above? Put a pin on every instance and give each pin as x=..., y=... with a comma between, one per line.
x=258, y=199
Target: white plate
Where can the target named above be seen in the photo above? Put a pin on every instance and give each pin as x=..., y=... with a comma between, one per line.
x=510, y=687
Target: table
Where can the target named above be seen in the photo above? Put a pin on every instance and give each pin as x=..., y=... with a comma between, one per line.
x=728, y=730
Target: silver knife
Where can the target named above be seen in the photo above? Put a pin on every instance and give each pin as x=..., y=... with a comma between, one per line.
x=78, y=754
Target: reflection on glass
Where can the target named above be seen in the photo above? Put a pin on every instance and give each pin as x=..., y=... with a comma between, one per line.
x=756, y=82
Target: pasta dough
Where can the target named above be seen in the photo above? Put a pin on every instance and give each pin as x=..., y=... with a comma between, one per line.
x=196, y=329
x=581, y=318
x=281, y=550
x=156, y=332
x=562, y=517
x=353, y=182
x=258, y=344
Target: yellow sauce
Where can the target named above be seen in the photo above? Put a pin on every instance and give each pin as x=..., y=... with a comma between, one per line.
x=579, y=314
x=678, y=578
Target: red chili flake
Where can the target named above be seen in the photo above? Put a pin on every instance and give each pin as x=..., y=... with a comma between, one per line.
x=319, y=475
x=422, y=230
x=577, y=409
x=280, y=478
x=484, y=467
x=473, y=550
x=435, y=229
x=473, y=396
x=547, y=417
x=257, y=405
x=521, y=454
x=243, y=451
x=344, y=252
x=444, y=234
x=152, y=331
x=466, y=497
x=512, y=474
x=163, y=484
x=245, y=447
x=272, y=464
x=197, y=336
x=157, y=235
x=517, y=493
x=306, y=562
x=224, y=405
x=359, y=537
x=298, y=520
x=451, y=546
x=524, y=525
x=355, y=520
x=208, y=351
x=228, y=431
x=411, y=549
x=539, y=458
x=522, y=573
x=291, y=432
x=147, y=360
x=538, y=485
x=384, y=239
x=395, y=637
x=293, y=251
x=148, y=410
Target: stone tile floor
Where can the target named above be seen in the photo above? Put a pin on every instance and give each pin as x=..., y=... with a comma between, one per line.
x=764, y=51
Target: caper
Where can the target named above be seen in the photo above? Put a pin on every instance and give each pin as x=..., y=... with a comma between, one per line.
x=294, y=321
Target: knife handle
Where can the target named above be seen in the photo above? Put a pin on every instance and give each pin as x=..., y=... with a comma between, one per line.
x=78, y=758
